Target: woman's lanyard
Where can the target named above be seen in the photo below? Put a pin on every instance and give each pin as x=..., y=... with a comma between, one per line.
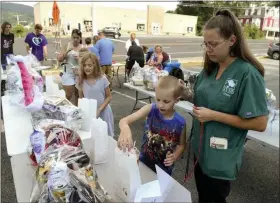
x=188, y=175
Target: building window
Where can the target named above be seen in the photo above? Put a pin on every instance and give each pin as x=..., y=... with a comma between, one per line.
x=50, y=22
x=259, y=11
x=246, y=12
x=189, y=29
x=140, y=26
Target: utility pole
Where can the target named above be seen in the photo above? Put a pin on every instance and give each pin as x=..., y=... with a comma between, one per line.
x=18, y=21
x=94, y=20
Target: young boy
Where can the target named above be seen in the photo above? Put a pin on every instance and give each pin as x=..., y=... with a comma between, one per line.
x=164, y=137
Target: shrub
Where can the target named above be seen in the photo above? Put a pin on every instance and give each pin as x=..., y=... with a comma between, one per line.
x=251, y=31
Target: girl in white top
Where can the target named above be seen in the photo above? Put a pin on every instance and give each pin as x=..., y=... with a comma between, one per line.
x=70, y=54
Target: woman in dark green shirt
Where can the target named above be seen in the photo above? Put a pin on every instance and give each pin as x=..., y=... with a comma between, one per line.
x=229, y=99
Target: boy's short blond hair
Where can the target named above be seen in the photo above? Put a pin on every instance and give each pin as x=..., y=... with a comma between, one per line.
x=171, y=83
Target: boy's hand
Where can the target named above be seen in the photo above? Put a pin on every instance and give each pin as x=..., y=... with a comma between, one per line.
x=170, y=159
x=125, y=139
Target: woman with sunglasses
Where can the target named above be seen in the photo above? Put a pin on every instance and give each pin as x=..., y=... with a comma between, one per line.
x=229, y=99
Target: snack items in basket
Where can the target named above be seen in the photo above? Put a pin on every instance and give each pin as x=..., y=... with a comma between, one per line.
x=57, y=134
x=66, y=178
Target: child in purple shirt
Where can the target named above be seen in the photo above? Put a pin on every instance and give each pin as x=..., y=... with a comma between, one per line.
x=37, y=42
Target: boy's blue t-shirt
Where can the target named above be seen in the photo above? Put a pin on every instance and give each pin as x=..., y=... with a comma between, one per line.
x=161, y=135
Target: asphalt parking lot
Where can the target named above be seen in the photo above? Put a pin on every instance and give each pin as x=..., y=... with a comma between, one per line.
x=258, y=180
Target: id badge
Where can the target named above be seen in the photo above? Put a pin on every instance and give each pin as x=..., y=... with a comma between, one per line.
x=218, y=143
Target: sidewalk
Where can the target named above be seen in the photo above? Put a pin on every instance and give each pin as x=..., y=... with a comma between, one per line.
x=196, y=61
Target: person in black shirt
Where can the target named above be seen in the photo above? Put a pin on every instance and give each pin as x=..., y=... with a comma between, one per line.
x=7, y=41
x=135, y=53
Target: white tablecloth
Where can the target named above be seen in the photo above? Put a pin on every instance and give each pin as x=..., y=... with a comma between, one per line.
x=269, y=137
x=23, y=177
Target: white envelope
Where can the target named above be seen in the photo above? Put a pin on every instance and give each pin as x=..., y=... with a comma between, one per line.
x=158, y=190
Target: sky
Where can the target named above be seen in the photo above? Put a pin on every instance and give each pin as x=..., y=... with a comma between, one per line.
x=132, y=4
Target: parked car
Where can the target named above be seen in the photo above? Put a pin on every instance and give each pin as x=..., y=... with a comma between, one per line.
x=112, y=32
x=273, y=50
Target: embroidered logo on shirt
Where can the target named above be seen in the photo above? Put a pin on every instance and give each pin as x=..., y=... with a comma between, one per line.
x=229, y=86
x=248, y=113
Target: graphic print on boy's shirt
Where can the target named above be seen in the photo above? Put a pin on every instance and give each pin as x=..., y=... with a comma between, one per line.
x=161, y=136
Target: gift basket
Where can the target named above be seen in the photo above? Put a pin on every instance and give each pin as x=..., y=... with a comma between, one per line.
x=21, y=79
x=53, y=134
x=64, y=172
x=59, y=108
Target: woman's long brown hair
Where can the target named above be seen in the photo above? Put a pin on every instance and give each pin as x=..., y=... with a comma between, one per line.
x=96, y=67
x=227, y=25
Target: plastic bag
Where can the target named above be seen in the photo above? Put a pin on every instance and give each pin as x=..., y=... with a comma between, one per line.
x=272, y=106
x=14, y=81
x=69, y=177
x=135, y=72
x=150, y=78
x=58, y=108
x=31, y=61
x=56, y=135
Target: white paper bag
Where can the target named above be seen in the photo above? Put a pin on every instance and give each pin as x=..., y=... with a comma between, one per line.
x=99, y=141
x=89, y=107
x=127, y=178
x=162, y=190
x=51, y=87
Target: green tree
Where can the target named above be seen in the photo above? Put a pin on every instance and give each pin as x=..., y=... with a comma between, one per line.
x=18, y=30
x=206, y=9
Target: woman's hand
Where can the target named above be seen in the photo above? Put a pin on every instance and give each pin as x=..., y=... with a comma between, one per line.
x=125, y=138
x=203, y=114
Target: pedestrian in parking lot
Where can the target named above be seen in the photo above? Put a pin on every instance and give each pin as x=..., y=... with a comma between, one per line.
x=70, y=55
x=7, y=42
x=93, y=49
x=93, y=84
x=135, y=54
x=37, y=42
x=129, y=41
x=88, y=42
x=229, y=99
x=156, y=58
x=95, y=39
x=105, y=49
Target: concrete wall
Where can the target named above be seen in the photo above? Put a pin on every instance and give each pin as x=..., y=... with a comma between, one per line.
x=155, y=14
x=71, y=14
x=128, y=18
x=179, y=24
